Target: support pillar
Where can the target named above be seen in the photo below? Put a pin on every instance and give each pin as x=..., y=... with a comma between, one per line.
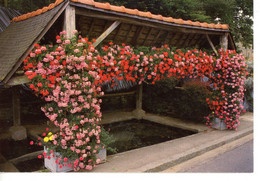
x=224, y=41
x=139, y=112
x=17, y=131
x=69, y=23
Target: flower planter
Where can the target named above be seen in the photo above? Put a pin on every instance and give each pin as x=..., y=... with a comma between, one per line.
x=54, y=167
x=102, y=155
x=219, y=124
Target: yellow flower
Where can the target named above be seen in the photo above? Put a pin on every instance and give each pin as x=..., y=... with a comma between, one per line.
x=50, y=133
x=46, y=139
x=51, y=138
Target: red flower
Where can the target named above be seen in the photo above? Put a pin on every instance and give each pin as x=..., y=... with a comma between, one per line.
x=31, y=142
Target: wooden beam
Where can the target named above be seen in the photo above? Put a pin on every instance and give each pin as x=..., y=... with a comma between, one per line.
x=147, y=36
x=69, y=23
x=189, y=39
x=91, y=27
x=17, y=80
x=117, y=32
x=211, y=44
x=16, y=106
x=194, y=39
x=139, y=96
x=137, y=35
x=157, y=36
x=106, y=33
x=173, y=40
x=128, y=32
x=224, y=41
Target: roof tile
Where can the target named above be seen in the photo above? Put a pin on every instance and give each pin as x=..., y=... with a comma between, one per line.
x=124, y=10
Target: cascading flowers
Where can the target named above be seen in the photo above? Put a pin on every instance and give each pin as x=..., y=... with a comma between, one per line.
x=69, y=76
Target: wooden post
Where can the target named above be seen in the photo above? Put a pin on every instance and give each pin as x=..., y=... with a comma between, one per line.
x=106, y=33
x=139, y=96
x=224, y=41
x=211, y=44
x=139, y=113
x=69, y=24
x=16, y=106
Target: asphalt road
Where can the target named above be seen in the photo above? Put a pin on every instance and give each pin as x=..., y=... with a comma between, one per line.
x=237, y=160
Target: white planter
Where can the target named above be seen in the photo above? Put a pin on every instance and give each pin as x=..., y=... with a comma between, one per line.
x=102, y=155
x=54, y=167
x=219, y=124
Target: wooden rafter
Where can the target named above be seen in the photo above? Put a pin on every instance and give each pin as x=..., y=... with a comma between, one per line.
x=173, y=40
x=188, y=40
x=211, y=44
x=137, y=35
x=147, y=36
x=128, y=32
x=91, y=26
x=106, y=33
x=165, y=38
x=181, y=40
x=157, y=36
x=117, y=32
x=194, y=39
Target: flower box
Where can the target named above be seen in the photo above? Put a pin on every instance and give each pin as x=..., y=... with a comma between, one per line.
x=54, y=167
x=219, y=124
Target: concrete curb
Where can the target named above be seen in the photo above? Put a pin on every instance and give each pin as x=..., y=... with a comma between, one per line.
x=197, y=152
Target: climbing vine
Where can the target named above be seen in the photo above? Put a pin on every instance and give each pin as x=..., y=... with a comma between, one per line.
x=69, y=76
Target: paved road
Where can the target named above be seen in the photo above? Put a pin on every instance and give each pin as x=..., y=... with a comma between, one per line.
x=239, y=159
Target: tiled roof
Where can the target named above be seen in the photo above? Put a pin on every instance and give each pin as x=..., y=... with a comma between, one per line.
x=122, y=9
x=18, y=37
x=6, y=14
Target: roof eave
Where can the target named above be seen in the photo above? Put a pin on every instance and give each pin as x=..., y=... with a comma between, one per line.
x=89, y=7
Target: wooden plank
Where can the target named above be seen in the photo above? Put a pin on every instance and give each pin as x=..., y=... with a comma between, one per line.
x=17, y=80
x=174, y=39
x=128, y=32
x=16, y=106
x=106, y=33
x=137, y=35
x=224, y=41
x=188, y=40
x=117, y=32
x=194, y=39
x=147, y=36
x=157, y=36
x=211, y=44
x=91, y=26
x=69, y=23
x=139, y=96
x=44, y=31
